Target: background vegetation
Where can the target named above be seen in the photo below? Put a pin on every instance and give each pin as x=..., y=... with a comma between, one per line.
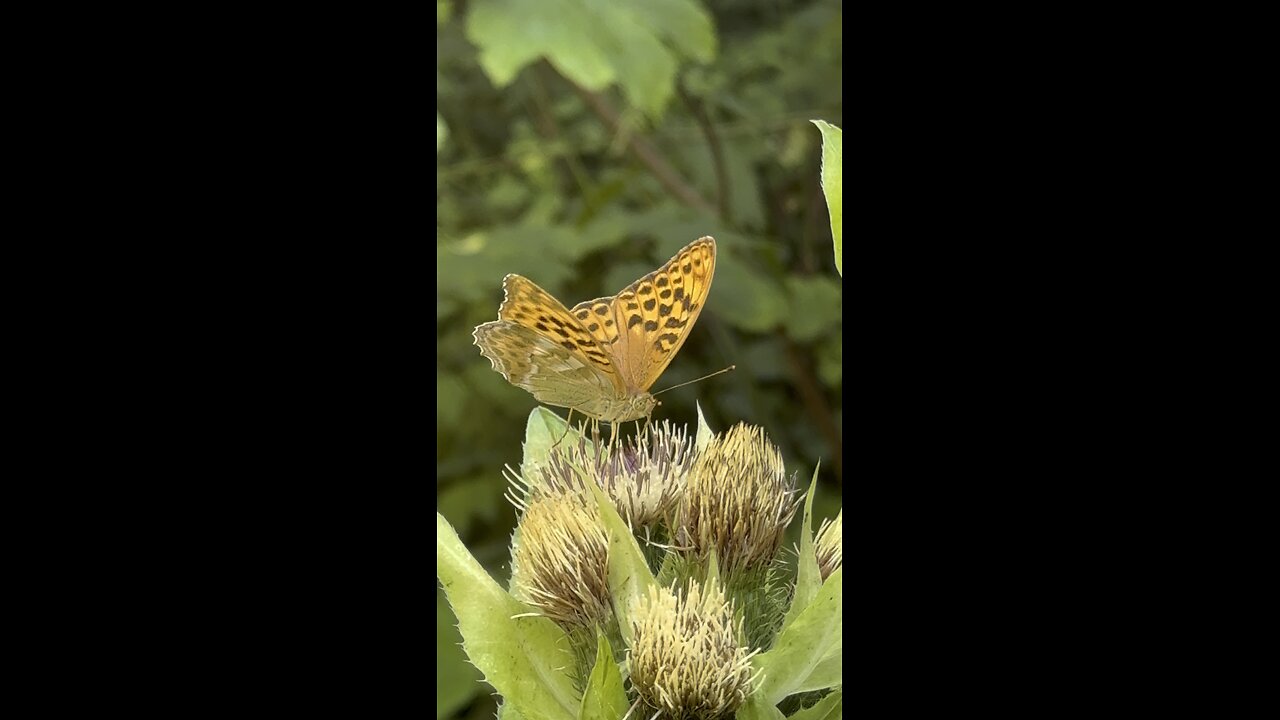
x=581, y=143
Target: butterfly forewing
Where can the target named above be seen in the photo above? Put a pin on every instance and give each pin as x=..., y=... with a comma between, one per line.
x=657, y=312
x=528, y=305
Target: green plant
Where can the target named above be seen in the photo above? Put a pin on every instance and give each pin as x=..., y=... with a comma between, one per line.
x=688, y=609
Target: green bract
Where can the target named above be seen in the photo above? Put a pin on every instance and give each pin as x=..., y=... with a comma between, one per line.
x=546, y=671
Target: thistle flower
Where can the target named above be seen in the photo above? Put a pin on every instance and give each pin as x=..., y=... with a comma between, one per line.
x=830, y=545
x=685, y=658
x=738, y=500
x=561, y=561
x=643, y=476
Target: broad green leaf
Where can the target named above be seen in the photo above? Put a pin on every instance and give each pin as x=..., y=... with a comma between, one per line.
x=815, y=303
x=635, y=43
x=629, y=574
x=457, y=681
x=808, y=576
x=704, y=431
x=827, y=673
x=509, y=712
x=802, y=646
x=832, y=184
x=830, y=708
x=757, y=709
x=519, y=656
x=604, y=698
x=544, y=430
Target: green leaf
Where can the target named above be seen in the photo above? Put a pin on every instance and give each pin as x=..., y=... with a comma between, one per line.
x=543, y=430
x=808, y=576
x=635, y=43
x=827, y=673
x=815, y=302
x=509, y=712
x=803, y=645
x=604, y=698
x=629, y=574
x=519, y=656
x=832, y=184
x=757, y=709
x=457, y=681
x=704, y=431
x=747, y=298
x=830, y=708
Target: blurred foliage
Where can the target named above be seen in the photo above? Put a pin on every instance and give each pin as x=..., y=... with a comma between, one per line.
x=581, y=144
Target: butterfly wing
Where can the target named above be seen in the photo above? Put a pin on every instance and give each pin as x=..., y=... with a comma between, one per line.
x=527, y=305
x=550, y=371
x=654, y=314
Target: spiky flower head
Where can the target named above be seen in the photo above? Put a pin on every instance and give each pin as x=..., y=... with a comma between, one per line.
x=561, y=560
x=686, y=660
x=643, y=476
x=738, y=500
x=830, y=545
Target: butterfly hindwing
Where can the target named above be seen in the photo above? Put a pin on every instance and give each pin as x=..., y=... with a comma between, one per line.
x=530, y=306
x=536, y=363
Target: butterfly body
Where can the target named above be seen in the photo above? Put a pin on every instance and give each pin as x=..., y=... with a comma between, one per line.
x=601, y=357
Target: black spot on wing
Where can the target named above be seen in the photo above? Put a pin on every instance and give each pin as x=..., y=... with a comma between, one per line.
x=634, y=321
x=648, y=304
x=650, y=325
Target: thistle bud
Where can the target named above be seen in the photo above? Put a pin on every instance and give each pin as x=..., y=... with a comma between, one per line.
x=561, y=561
x=738, y=500
x=643, y=476
x=686, y=660
x=830, y=545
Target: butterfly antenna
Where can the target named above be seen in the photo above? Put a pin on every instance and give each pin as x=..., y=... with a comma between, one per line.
x=704, y=377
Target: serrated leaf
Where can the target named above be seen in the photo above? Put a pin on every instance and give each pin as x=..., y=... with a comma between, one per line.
x=457, y=681
x=829, y=672
x=629, y=574
x=704, y=431
x=808, y=576
x=802, y=646
x=757, y=709
x=833, y=184
x=830, y=708
x=604, y=698
x=518, y=655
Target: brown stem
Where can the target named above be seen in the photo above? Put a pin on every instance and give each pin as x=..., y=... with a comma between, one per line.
x=699, y=111
x=646, y=153
x=815, y=404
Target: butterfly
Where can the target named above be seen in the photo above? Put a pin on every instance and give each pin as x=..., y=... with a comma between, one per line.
x=599, y=357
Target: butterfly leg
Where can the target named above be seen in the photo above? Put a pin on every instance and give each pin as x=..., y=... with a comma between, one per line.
x=567, y=426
